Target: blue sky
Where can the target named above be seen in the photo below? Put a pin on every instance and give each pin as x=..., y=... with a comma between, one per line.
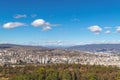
x=59, y=22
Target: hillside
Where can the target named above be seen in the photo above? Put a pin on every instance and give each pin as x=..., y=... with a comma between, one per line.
x=15, y=46
x=97, y=47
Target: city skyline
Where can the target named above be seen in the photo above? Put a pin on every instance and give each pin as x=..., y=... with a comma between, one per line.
x=59, y=22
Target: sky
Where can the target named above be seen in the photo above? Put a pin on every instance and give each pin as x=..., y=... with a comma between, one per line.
x=59, y=22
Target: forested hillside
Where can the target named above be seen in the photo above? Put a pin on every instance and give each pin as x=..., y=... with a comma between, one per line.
x=60, y=72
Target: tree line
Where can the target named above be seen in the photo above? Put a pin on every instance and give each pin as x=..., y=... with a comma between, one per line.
x=60, y=72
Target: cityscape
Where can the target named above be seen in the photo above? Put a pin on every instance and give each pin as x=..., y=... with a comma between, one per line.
x=59, y=40
x=21, y=55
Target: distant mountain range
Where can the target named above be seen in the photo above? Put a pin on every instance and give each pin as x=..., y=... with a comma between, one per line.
x=91, y=47
x=5, y=46
x=97, y=47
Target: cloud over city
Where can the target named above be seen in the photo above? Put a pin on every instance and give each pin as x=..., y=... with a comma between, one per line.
x=95, y=29
x=107, y=32
x=20, y=16
x=11, y=25
x=43, y=24
x=118, y=29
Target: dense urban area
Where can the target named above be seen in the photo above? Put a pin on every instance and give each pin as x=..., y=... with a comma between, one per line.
x=29, y=55
x=40, y=63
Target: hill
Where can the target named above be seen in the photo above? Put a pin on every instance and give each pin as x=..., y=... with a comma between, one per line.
x=15, y=46
x=97, y=47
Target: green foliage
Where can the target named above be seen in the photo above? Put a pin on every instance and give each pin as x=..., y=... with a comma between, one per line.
x=41, y=74
x=118, y=76
x=66, y=75
x=61, y=72
x=20, y=77
x=51, y=74
x=92, y=77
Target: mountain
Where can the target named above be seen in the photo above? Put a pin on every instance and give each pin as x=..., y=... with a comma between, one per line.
x=97, y=47
x=114, y=48
x=15, y=46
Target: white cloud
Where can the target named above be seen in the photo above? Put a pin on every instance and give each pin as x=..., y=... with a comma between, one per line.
x=20, y=16
x=57, y=42
x=42, y=23
x=38, y=23
x=96, y=29
x=46, y=28
x=118, y=29
x=107, y=32
x=11, y=25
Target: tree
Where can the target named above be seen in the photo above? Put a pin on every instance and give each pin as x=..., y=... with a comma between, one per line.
x=41, y=74
x=51, y=74
x=92, y=77
x=66, y=75
x=118, y=76
x=20, y=77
